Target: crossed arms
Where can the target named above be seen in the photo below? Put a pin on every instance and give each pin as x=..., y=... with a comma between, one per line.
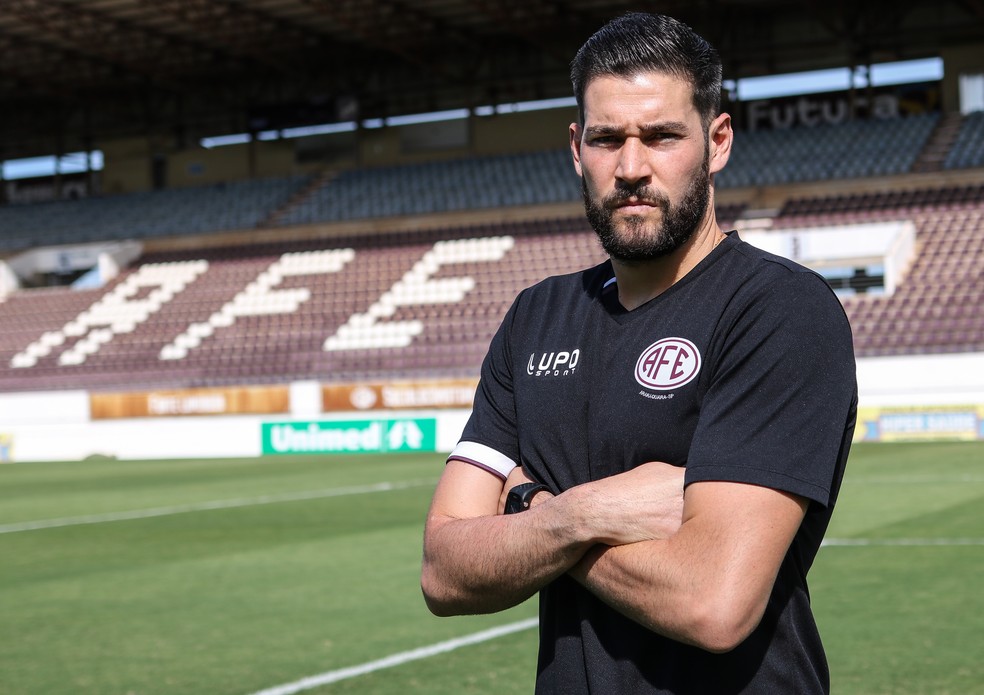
x=696, y=566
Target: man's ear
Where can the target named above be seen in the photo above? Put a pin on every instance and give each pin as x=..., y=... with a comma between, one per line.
x=720, y=137
x=575, y=132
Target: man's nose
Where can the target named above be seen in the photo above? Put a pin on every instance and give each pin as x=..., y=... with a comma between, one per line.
x=633, y=163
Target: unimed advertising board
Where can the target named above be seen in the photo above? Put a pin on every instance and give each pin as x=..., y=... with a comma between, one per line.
x=350, y=436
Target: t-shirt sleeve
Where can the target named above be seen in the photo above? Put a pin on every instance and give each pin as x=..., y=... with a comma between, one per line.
x=490, y=440
x=782, y=395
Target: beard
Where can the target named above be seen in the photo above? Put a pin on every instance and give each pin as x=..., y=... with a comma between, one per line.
x=642, y=239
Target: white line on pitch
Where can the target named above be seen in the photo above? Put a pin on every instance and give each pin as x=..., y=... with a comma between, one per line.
x=913, y=479
x=887, y=542
x=209, y=505
x=398, y=659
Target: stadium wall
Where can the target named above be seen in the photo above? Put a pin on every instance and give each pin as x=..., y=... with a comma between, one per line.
x=957, y=61
x=901, y=399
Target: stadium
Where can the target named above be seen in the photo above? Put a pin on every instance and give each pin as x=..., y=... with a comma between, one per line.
x=253, y=252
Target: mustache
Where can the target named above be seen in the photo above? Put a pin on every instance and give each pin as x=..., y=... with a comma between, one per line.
x=623, y=194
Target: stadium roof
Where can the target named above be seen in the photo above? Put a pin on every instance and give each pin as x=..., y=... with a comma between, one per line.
x=74, y=72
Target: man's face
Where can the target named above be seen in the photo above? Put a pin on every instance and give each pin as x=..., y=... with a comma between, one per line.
x=643, y=157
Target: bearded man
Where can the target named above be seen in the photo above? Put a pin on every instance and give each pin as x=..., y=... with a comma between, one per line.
x=666, y=490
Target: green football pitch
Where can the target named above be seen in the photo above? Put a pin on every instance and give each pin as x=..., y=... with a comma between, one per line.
x=302, y=575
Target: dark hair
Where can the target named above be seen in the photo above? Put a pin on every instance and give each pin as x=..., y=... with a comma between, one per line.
x=639, y=42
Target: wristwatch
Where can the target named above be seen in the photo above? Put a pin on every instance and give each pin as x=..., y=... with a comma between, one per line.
x=520, y=497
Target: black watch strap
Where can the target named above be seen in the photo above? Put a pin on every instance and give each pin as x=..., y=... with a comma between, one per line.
x=520, y=497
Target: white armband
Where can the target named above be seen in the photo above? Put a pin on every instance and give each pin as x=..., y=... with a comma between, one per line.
x=484, y=457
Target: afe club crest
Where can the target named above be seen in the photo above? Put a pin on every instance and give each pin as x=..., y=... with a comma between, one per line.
x=668, y=364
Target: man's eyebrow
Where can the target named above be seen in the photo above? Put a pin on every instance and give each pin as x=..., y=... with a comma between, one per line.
x=655, y=127
x=664, y=126
x=596, y=130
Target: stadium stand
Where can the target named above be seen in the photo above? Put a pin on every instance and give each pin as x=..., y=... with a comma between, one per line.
x=265, y=313
x=937, y=309
x=855, y=149
x=193, y=210
x=968, y=149
x=858, y=149
x=466, y=184
x=350, y=306
x=285, y=338
x=424, y=303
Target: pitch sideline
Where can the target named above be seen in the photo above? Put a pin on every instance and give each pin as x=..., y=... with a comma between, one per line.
x=898, y=542
x=211, y=505
x=398, y=659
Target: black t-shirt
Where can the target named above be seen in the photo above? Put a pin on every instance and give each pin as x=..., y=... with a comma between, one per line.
x=742, y=371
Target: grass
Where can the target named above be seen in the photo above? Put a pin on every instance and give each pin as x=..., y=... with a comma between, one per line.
x=905, y=619
x=264, y=592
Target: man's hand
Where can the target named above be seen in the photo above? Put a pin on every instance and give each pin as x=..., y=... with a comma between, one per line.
x=642, y=504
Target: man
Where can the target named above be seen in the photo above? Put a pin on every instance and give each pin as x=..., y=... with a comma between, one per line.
x=684, y=412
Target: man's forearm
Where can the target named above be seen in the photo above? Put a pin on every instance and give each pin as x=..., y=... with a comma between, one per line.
x=490, y=563
x=476, y=560
x=708, y=584
x=638, y=581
